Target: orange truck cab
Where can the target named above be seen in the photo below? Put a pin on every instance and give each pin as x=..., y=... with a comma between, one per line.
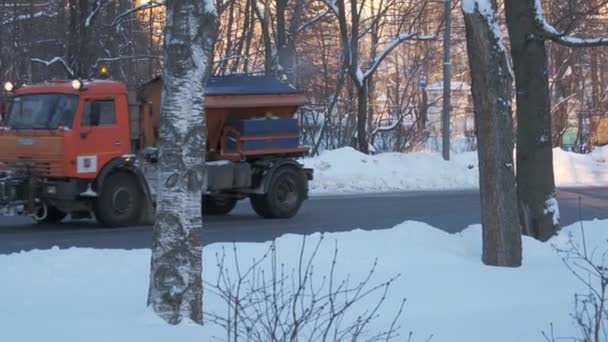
x=89, y=149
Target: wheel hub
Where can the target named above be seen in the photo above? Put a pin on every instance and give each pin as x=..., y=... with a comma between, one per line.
x=121, y=201
x=287, y=194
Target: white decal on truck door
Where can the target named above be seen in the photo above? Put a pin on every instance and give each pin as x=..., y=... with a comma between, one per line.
x=86, y=164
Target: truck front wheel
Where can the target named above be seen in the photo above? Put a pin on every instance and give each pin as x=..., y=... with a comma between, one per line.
x=120, y=201
x=285, y=195
x=218, y=205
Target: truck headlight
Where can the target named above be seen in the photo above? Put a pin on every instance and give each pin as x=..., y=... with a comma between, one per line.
x=76, y=84
x=8, y=86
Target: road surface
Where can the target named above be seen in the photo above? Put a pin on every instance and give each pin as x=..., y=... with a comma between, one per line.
x=450, y=211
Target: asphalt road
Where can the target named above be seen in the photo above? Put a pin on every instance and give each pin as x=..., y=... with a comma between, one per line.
x=449, y=211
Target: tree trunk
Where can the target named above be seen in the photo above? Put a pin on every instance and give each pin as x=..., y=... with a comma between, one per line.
x=266, y=37
x=492, y=91
x=595, y=82
x=73, y=36
x=535, y=180
x=83, y=40
x=362, y=118
x=283, y=51
x=228, y=49
x=251, y=4
x=176, y=265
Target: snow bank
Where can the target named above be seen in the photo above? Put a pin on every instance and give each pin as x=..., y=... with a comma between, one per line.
x=574, y=170
x=346, y=170
x=100, y=295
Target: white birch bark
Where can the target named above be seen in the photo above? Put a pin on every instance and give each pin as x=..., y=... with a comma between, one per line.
x=175, y=292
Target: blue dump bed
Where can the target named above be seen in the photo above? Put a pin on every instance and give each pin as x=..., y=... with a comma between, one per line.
x=275, y=133
x=268, y=126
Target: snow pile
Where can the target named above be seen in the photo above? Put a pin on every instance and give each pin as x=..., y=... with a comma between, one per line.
x=100, y=295
x=573, y=169
x=346, y=170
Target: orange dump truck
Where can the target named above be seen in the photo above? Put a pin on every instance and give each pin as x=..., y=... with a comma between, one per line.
x=89, y=149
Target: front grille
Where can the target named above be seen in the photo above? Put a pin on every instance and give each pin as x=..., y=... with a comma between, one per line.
x=35, y=168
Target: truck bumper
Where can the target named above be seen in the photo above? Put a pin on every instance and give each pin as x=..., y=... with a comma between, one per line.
x=24, y=195
x=13, y=196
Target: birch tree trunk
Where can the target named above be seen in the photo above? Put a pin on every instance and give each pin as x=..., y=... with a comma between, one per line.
x=175, y=290
x=492, y=90
x=538, y=207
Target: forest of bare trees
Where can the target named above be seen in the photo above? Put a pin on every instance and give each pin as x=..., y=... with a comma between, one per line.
x=366, y=73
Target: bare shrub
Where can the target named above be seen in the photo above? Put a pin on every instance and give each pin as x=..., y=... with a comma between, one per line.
x=590, y=314
x=277, y=302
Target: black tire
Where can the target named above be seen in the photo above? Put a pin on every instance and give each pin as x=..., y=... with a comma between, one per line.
x=285, y=195
x=120, y=202
x=218, y=205
x=51, y=216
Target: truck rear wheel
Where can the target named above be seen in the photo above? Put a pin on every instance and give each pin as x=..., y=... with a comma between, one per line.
x=285, y=195
x=218, y=205
x=47, y=214
x=120, y=202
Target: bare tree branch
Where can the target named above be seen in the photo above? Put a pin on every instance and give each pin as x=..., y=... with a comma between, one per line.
x=391, y=46
x=55, y=60
x=550, y=32
x=149, y=5
x=313, y=20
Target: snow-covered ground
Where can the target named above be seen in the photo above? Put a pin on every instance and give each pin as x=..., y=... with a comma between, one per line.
x=100, y=295
x=346, y=170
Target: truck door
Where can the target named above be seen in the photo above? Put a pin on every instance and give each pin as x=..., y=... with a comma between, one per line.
x=100, y=138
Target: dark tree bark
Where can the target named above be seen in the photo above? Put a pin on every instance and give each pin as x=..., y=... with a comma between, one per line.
x=176, y=265
x=362, y=109
x=72, y=53
x=246, y=31
x=595, y=82
x=283, y=50
x=535, y=179
x=83, y=65
x=228, y=49
x=263, y=17
x=492, y=91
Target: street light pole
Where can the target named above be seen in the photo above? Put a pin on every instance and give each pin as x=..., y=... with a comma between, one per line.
x=447, y=82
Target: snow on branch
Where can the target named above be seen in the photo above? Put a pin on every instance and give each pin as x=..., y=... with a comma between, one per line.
x=55, y=60
x=122, y=58
x=331, y=5
x=21, y=17
x=390, y=46
x=145, y=6
x=388, y=128
x=100, y=4
x=258, y=11
x=313, y=20
x=561, y=37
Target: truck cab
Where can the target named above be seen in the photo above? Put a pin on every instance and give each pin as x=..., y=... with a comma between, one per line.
x=87, y=149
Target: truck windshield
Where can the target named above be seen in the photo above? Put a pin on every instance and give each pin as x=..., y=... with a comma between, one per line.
x=42, y=111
